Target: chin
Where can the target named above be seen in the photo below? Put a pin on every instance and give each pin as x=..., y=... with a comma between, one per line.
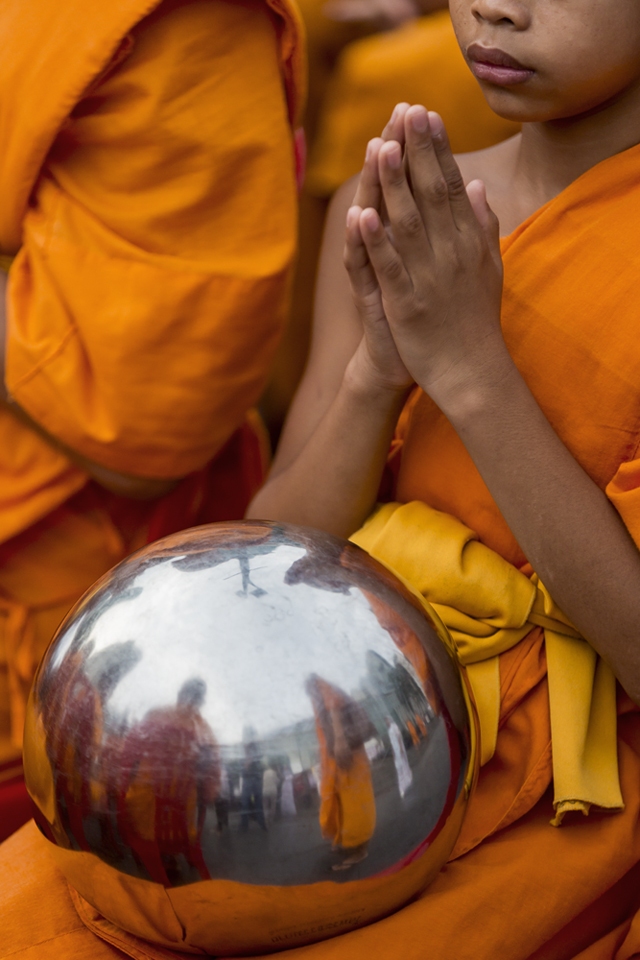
x=513, y=104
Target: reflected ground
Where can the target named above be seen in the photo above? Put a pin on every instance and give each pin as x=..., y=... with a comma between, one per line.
x=293, y=851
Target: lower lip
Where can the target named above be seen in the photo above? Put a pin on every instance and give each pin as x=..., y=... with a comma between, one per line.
x=501, y=76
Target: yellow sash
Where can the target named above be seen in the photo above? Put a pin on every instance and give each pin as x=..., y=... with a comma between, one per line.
x=488, y=607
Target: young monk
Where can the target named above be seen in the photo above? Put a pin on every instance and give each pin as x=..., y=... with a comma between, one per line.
x=517, y=451
x=523, y=430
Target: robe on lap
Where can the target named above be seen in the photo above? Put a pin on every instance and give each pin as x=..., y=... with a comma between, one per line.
x=515, y=887
x=149, y=207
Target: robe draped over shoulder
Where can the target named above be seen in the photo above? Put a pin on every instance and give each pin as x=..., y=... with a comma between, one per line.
x=153, y=239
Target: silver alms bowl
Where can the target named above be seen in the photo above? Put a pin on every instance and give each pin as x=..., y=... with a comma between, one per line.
x=249, y=736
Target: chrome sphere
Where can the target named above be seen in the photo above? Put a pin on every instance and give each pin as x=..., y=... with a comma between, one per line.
x=249, y=736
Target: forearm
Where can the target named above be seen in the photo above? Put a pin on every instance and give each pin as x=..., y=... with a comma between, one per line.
x=567, y=528
x=333, y=482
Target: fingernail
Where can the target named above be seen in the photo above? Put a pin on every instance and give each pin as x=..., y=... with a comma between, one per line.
x=437, y=126
x=394, y=114
x=394, y=156
x=367, y=155
x=420, y=121
x=370, y=218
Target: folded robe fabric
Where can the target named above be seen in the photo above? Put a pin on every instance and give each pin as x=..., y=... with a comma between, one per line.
x=489, y=606
x=151, y=209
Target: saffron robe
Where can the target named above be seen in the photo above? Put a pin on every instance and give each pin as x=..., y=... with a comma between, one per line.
x=515, y=887
x=149, y=204
x=347, y=802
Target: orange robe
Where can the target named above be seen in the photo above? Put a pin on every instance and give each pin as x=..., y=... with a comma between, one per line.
x=149, y=203
x=515, y=888
x=347, y=801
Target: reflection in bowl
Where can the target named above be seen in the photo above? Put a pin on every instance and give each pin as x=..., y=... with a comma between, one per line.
x=249, y=736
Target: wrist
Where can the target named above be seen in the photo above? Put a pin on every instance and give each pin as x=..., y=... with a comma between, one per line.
x=472, y=390
x=365, y=382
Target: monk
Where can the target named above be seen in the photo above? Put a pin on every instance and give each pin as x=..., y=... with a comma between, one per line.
x=347, y=801
x=503, y=375
x=493, y=348
x=159, y=825
x=142, y=262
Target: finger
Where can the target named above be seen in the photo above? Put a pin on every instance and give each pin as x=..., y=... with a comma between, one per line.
x=387, y=263
x=368, y=193
x=364, y=284
x=356, y=259
x=459, y=199
x=461, y=208
x=394, y=129
x=428, y=182
x=477, y=193
x=407, y=227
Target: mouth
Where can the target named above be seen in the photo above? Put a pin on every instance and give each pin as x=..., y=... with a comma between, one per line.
x=497, y=67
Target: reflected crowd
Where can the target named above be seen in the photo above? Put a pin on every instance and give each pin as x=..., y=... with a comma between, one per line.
x=166, y=799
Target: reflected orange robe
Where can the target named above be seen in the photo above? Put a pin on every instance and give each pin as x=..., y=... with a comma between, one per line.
x=149, y=202
x=188, y=783
x=347, y=801
x=516, y=888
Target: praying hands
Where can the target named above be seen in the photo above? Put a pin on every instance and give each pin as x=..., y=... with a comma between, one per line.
x=423, y=257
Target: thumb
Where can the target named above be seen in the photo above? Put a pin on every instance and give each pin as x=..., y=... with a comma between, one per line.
x=477, y=193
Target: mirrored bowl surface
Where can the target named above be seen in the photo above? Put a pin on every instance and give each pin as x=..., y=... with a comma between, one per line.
x=256, y=717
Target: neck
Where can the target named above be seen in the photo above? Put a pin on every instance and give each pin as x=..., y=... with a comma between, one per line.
x=550, y=155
